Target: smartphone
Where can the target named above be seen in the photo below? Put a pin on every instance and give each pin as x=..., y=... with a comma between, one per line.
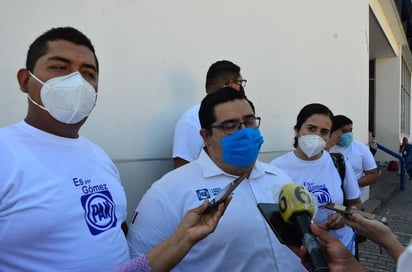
x=227, y=190
x=287, y=234
x=348, y=210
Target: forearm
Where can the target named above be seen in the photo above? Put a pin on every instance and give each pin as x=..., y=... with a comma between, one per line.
x=170, y=252
x=378, y=233
x=369, y=178
x=391, y=244
x=356, y=203
x=395, y=250
x=353, y=265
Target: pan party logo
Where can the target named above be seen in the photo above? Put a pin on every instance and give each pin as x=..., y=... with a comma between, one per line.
x=99, y=211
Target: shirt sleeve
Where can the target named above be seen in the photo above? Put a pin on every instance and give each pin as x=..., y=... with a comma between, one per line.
x=405, y=260
x=155, y=220
x=187, y=142
x=368, y=160
x=138, y=264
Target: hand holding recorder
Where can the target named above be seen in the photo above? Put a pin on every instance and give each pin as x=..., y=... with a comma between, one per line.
x=350, y=211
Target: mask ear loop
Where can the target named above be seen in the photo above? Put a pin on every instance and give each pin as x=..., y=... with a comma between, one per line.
x=36, y=78
x=31, y=99
x=37, y=104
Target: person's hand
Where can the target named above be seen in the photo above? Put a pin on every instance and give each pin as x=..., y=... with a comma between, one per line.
x=337, y=256
x=335, y=221
x=377, y=232
x=372, y=229
x=197, y=223
x=333, y=139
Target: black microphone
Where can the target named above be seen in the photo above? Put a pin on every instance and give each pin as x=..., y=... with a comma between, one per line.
x=296, y=206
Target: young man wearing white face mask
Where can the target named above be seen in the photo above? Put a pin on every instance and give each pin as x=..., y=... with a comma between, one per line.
x=61, y=201
x=69, y=99
x=311, y=166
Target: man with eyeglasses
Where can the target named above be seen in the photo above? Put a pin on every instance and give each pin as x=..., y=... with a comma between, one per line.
x=242, y=241
x=187, y=142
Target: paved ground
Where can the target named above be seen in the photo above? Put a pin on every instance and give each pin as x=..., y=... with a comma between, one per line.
x=387, y=200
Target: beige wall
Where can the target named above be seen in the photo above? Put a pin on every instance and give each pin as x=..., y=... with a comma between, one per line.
x=154, y=56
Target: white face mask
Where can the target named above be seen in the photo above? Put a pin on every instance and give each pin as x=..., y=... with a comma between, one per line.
x=311, y=144
x=69, y=99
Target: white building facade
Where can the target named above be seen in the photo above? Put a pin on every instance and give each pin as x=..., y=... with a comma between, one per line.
x=154, y=56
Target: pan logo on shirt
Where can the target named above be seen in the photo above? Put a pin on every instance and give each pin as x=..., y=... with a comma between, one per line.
x=321, y=192
x=99, y=211
x=205, y=193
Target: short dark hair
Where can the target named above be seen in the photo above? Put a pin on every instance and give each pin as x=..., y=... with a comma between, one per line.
x=340, y=121
x=306, y=112
x=207, y=107
x=220, y=73
x=40, y=47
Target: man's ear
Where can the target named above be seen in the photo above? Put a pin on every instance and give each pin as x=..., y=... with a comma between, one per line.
x=233, y=85
x=23, y=77
x=205, y=134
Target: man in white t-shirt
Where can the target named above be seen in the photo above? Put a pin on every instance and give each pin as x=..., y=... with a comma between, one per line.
x=187, y=141
x=242, y=241
x=360, y=157
x=61, y=201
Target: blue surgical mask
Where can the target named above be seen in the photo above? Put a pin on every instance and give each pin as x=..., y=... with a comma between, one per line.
x=346, y=139
x=241, y=148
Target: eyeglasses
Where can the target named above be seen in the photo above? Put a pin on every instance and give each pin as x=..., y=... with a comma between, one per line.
x=241, y=82
x=231, y=127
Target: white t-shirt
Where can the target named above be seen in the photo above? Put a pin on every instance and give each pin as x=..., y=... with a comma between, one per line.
x=187, y=142
x=242, y=241
x=321, y=178
x=360, y=158
x=405, y=260
x=61, y=204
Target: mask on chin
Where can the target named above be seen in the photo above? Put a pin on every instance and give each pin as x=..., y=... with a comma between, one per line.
x=311, y=144
x=241, y=148
x=69, y=99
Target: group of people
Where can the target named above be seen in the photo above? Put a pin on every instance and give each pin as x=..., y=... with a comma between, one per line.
x=62, y=205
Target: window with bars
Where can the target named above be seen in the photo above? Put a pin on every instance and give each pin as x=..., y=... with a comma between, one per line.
x=405, y=99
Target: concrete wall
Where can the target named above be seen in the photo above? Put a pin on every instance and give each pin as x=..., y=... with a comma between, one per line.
x=154, y=56
x=388, y=74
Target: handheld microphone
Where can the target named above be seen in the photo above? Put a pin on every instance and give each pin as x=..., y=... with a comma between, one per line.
x=296, y=206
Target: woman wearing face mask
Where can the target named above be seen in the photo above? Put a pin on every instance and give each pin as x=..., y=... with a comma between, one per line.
x=311, y=166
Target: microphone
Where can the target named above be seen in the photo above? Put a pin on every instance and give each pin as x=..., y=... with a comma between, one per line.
x=297, y=207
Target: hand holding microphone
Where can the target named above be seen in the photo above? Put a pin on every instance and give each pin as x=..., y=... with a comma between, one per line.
x=297, y=207
x=290, y=220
